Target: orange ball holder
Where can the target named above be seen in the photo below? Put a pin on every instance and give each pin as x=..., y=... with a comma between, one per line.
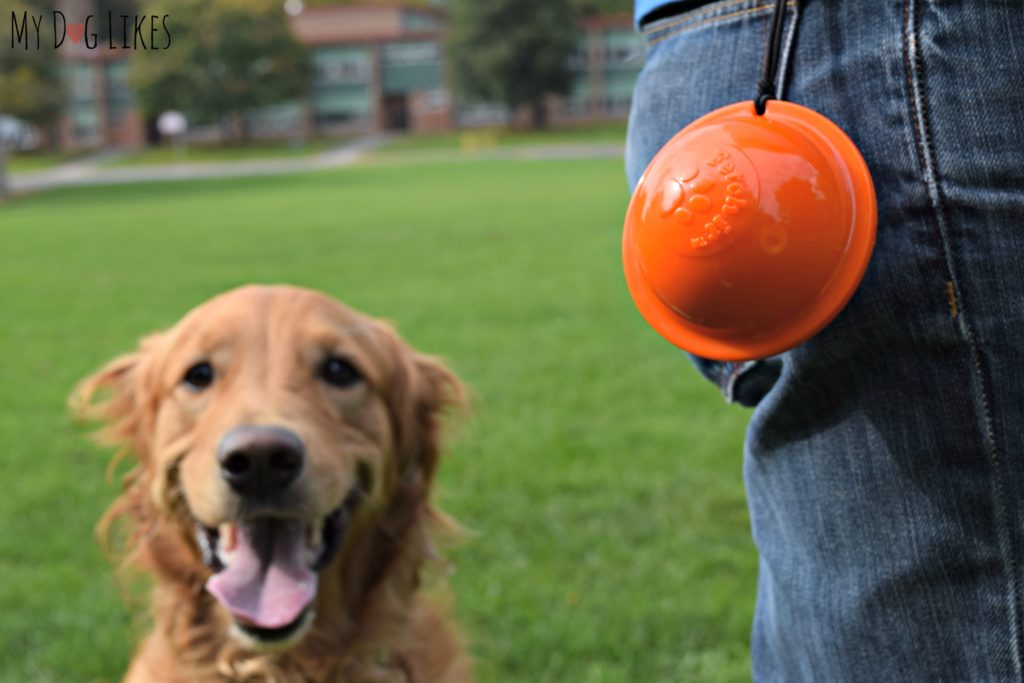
x=747, y=234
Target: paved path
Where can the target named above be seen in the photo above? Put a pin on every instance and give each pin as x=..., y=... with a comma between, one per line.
x=91, y=171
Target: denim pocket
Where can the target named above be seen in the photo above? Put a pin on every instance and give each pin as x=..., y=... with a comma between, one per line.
x=706, y=15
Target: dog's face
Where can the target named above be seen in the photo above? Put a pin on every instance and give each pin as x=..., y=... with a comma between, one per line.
x=266, y=422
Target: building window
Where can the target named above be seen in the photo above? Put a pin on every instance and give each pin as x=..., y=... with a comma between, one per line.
x=341, y=86
x=80, y=81
x=409, y=67
x=578, y=59
x=578, y=101
x=410, y=54
x=341, y=105
x=618, y=87
x=336, y=65
x=119, y=93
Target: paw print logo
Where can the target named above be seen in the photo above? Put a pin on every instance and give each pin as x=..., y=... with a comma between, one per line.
x=684, y=195
x=706, y=202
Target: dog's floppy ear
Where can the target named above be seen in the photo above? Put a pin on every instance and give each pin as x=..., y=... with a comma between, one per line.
x=121, y=396
x=124, y=396
x=432, y=390
x=420, y=390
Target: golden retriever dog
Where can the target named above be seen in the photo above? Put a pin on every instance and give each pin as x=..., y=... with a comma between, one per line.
x=285, y=446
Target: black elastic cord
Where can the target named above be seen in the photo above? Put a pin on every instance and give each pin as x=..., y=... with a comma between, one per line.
x=770, y=68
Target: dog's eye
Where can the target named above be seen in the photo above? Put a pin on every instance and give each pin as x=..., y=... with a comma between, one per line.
x=199, y=376
x=339, y=372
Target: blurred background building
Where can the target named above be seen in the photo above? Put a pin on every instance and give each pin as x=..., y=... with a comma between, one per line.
x=373, y=68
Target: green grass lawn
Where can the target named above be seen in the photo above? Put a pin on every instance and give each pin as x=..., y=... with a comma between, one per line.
x=277, y=149
x=601, y=476
x=24, y=162
x=474, y=139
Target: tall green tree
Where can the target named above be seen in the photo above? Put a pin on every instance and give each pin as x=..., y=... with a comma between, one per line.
x=226, y=57
x=512, y=51
x=30, y=82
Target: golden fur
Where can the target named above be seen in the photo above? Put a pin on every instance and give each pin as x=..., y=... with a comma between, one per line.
x=372, y=622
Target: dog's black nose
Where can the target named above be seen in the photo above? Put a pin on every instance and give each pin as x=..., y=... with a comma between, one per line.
x=259, y=461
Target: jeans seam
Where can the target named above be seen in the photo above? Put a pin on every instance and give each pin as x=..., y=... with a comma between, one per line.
x=789, y=41
x=687, y=17
x=705, y=19
x=924, y=146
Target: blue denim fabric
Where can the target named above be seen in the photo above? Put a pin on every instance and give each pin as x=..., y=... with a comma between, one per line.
x=884, y=460
x=641, y=8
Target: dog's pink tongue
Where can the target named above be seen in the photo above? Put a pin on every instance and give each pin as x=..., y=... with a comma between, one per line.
x=267, y=582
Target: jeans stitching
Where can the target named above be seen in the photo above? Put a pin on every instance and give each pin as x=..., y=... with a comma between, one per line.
x=658, y=26
x=923, y=142
x=708, y=20
x=787, y=50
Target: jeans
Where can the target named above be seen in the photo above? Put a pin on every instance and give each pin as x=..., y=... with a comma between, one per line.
x=884, y=459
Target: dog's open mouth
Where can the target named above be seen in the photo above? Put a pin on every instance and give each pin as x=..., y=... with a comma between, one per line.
x=266, y=568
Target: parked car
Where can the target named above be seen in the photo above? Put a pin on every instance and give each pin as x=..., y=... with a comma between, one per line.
x=18, y=135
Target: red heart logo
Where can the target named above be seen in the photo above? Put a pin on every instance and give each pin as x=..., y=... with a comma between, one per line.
x=75, y=32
